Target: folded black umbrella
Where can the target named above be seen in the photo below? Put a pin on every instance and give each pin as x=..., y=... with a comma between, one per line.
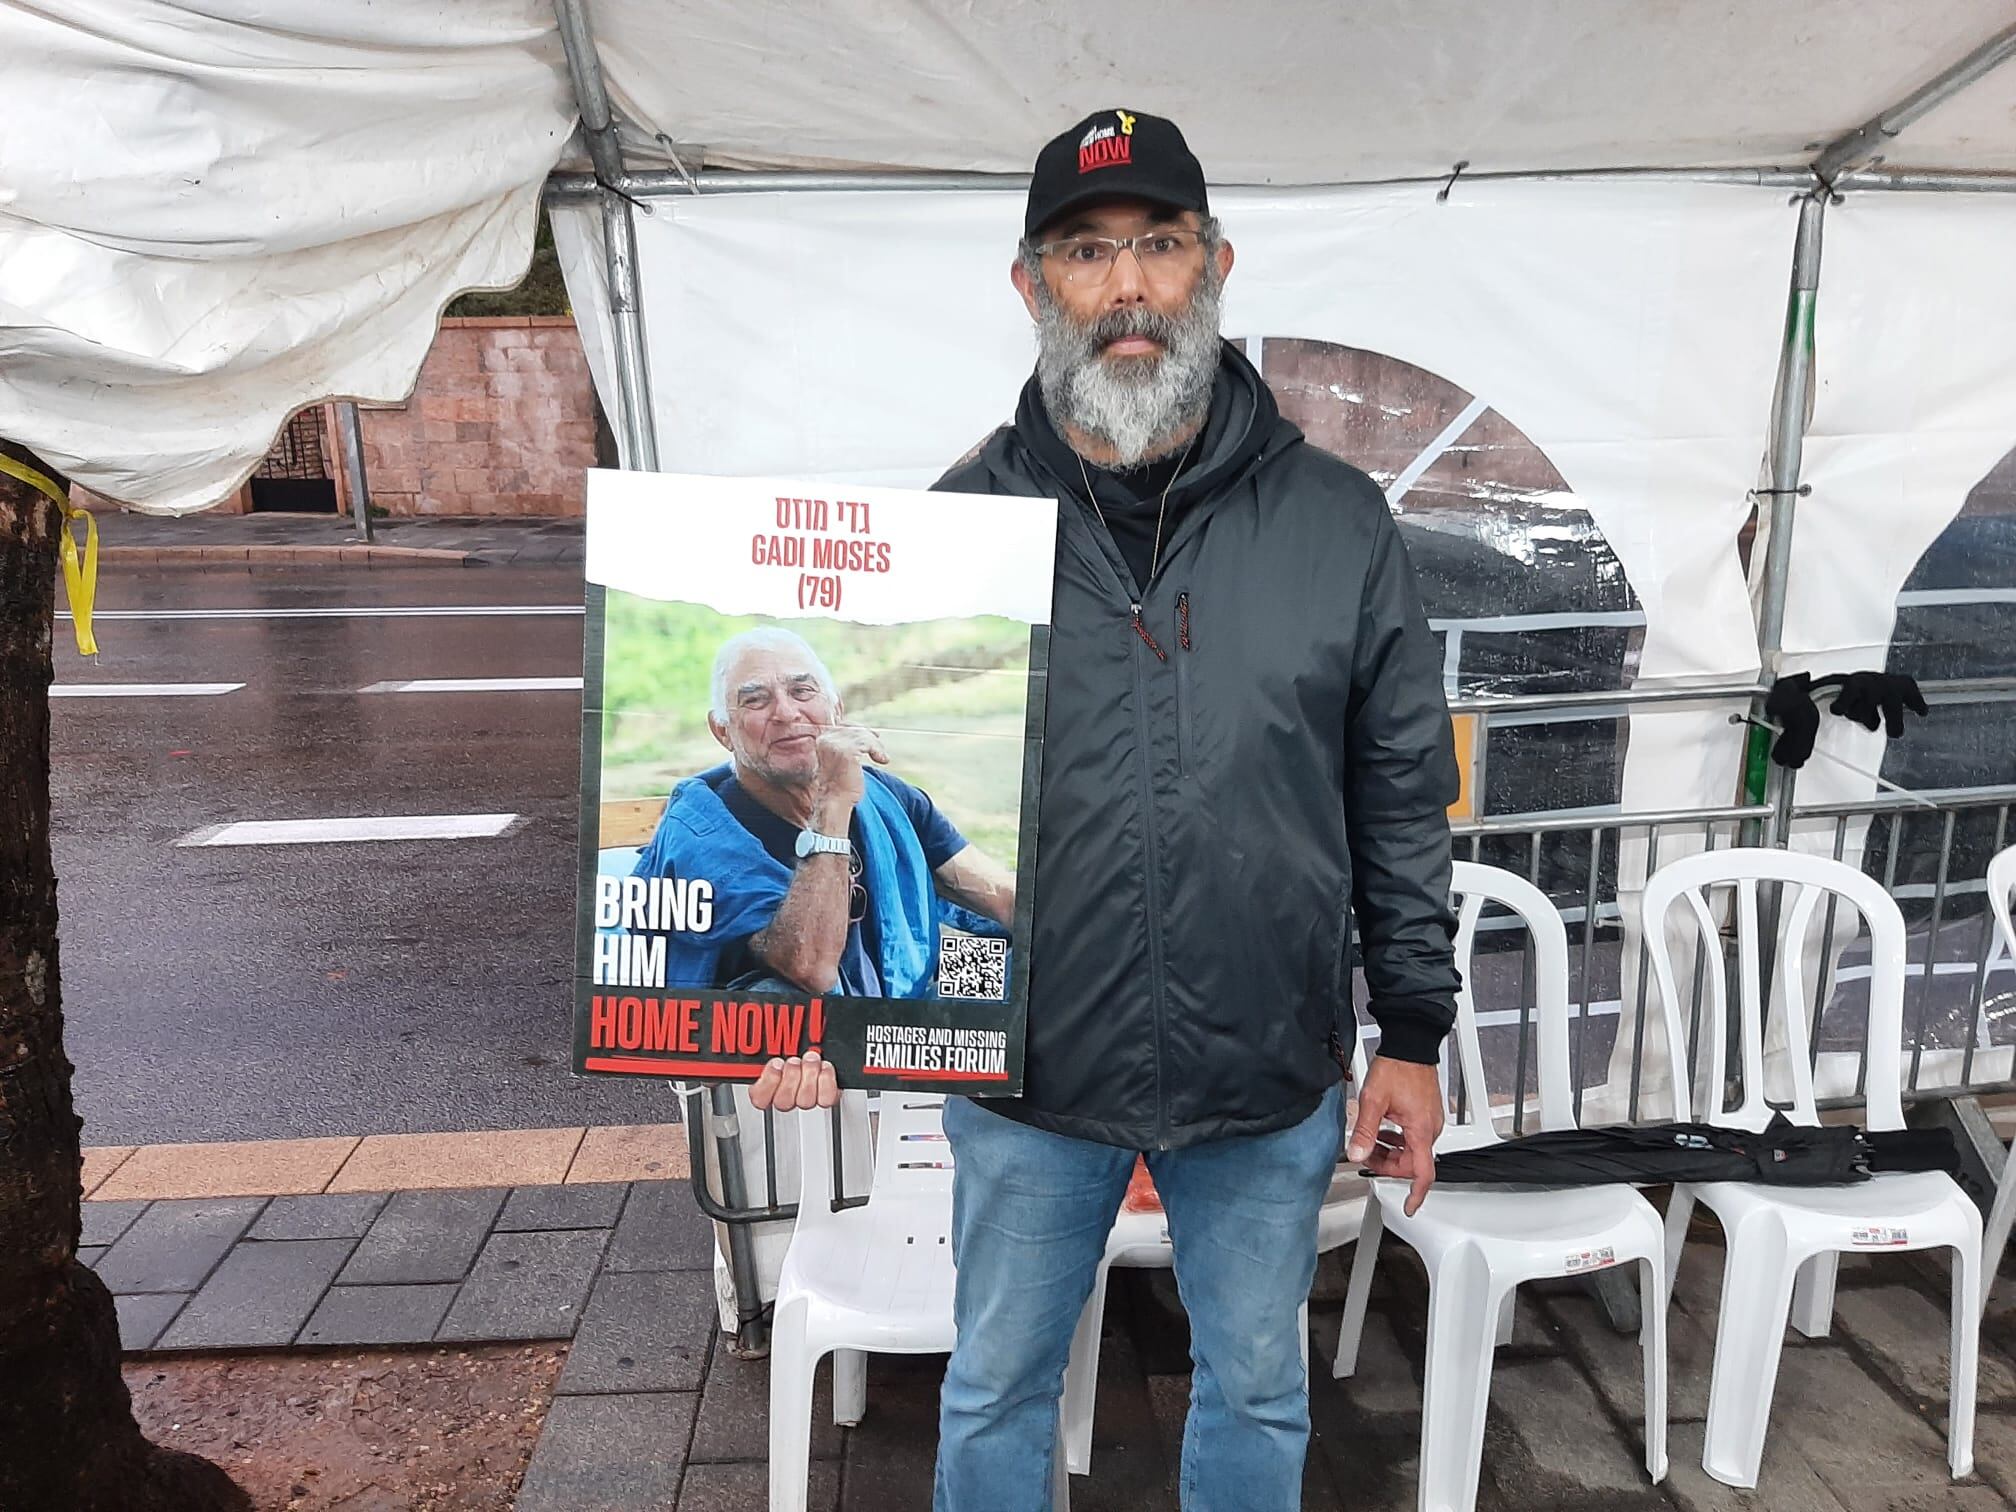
x=1784, y=1154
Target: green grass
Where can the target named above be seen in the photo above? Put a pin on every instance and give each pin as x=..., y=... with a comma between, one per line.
x=947, y=696
x=541, y=291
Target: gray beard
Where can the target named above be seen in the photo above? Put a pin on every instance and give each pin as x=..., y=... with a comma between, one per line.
x=1135, y=405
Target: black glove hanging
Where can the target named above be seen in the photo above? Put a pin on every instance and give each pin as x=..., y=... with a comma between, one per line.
x=1789, y=705
x=1866, y=695
x=1868, y=698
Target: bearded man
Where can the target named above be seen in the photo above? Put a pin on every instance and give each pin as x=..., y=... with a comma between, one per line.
x=1245, y=741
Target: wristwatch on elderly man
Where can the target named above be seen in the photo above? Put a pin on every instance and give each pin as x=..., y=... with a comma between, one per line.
x=812, y=843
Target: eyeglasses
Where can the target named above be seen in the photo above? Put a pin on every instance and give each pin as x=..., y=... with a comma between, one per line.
x=857, y=895
x=1091, y=259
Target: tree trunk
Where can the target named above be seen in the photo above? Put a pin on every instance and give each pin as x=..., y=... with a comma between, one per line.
x=68, y=1442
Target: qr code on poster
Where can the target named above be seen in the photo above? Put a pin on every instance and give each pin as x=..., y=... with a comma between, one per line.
x=972, y=966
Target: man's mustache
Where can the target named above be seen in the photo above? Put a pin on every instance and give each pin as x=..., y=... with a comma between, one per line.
x=1115, y=325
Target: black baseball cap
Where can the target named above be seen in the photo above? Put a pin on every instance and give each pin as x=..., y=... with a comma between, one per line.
x=1114, y=154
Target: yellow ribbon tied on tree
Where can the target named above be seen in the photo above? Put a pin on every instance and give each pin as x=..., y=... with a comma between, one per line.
x=80, y=568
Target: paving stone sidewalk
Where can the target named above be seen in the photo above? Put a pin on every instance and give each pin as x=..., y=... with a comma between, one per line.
x=653, y=1411
x=415, y=1267
x=1858, y=1424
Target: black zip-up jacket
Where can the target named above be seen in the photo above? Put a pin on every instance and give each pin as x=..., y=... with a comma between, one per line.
x=1252, y=746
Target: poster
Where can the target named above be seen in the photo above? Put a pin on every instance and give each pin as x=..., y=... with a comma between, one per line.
x=812, y=724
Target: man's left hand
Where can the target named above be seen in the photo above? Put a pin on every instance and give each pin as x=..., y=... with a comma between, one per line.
x=1411, y=1096
x=794, y=1085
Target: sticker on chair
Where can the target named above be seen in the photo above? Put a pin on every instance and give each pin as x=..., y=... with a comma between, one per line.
x=1880, y=1236
x=1588, y=1260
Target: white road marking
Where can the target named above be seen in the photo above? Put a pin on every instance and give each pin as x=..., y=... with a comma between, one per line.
x=476, y=685
x=142, y=690
x=333, y=831
x=337, y=611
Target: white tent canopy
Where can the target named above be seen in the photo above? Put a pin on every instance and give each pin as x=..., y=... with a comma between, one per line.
x=1286, y=93
x=215, y=212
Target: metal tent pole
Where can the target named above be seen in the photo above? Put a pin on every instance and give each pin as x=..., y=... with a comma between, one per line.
x=626, y=331
x=619, y=238
x=654, y=183
x=578, y=188
x=1788, y=438
x=1866, y=142
x=1980, y=1151
x=1787, y=451
x=1925, y=181
x=1857, y=149
x=350, y=432
x=591, y=98
x=640, y=447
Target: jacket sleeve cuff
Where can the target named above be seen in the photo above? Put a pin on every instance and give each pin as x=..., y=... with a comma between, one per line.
x=1412, y=1029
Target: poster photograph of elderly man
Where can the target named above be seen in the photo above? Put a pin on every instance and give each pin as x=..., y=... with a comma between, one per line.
x=811, y=746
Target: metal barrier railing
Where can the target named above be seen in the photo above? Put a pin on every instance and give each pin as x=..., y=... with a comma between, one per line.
x=1553, y=853
x=1930, y=850
x=1954, y=948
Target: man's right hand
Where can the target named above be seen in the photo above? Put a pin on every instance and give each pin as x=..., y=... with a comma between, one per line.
x=787, y=1085
x=841, y=750
x=1411, y=1096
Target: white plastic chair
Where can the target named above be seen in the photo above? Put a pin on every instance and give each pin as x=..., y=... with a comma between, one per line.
x=2001, y=882
x=870, y=1279
x=1784, y=1243
x=1479, y=1244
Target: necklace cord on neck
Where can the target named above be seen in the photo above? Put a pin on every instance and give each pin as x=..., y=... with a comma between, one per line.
x=1161, y=509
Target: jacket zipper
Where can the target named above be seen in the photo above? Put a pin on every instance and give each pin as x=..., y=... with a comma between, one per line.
x=1156, y=989
x=1183, y=684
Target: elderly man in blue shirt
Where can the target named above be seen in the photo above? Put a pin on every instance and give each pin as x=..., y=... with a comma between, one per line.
x=829, y=873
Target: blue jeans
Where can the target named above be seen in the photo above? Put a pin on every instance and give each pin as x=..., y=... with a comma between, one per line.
x=1030, y=1214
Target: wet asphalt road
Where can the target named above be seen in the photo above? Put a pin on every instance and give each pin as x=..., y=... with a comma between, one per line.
x=274, y=991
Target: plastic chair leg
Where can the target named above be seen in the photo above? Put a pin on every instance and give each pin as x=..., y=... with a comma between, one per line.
x=1456, y=1385
x=1081, y=1379
x=850, y=1387
x=1813, y=1295
x=1060, y=1472
x=1995, y=1237
x=1749, y=1336
x=791, y=1365
x=1508, y=1318
x=1679, y=1210
x=1364, y=1259
x=1652, y=1342
x=1968, y=1276
x=1302, y=1338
